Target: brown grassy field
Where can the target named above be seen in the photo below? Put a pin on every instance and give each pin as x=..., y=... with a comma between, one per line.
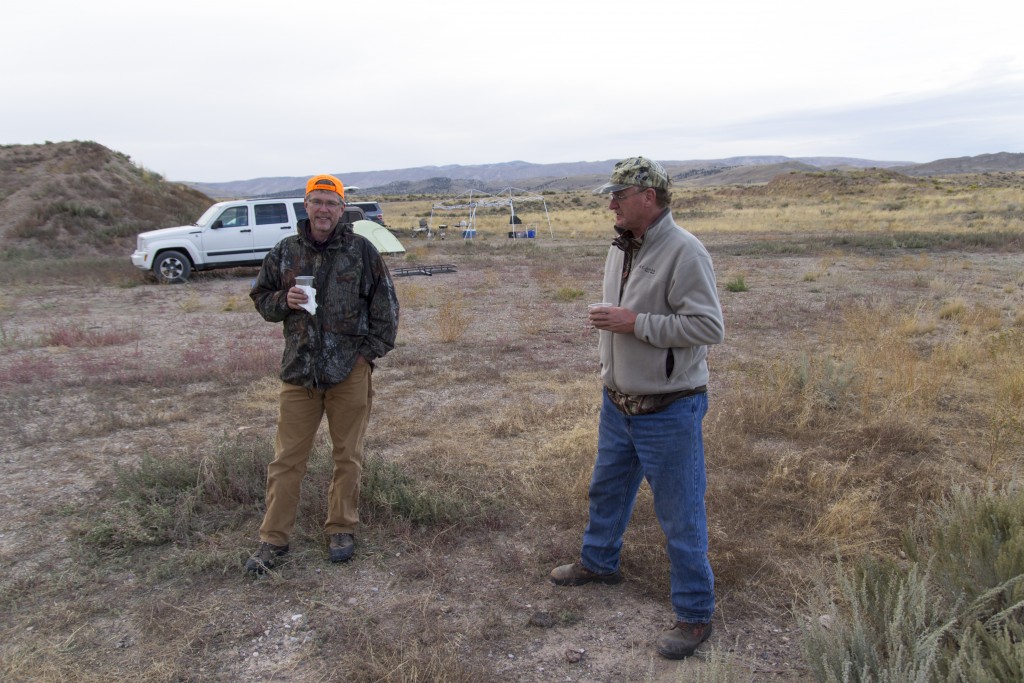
x=871, y=365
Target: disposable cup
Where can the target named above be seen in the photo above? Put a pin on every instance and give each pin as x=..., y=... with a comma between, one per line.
x=603, y=304
x=304, y=280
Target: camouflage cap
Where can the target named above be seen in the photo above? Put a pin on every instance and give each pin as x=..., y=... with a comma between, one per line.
x=635, y=172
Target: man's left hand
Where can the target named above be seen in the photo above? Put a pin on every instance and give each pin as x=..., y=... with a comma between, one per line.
x=613, y=319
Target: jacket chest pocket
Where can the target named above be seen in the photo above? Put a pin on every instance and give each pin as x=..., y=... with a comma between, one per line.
x=345, y=281
x=645, y=277
x=345, y=308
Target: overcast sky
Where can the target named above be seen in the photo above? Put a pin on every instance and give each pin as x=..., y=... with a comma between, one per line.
x=211, y=90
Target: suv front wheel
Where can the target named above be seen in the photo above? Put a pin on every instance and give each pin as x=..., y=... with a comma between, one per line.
x=172, y=267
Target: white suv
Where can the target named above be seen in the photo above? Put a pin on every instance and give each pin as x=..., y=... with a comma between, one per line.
x=238, y=233
x=228, y=234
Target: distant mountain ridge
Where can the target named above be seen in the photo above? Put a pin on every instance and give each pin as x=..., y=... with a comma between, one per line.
x=531, y=176
x=982, y=163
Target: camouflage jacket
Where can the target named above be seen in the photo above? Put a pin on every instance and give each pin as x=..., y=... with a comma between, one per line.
x=357, y=309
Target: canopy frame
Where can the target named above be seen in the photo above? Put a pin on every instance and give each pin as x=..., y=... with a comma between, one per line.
x=472, y=199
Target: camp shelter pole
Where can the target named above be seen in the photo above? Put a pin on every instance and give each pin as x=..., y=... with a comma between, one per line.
x=512, y=214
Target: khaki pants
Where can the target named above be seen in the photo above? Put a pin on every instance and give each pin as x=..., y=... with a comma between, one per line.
x=347, y=406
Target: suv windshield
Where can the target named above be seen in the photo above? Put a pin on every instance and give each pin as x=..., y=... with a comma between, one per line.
x=208, y=215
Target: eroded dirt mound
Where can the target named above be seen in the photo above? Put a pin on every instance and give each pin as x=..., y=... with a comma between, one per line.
x=80, y=197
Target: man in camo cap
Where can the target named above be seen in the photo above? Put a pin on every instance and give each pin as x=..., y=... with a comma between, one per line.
x=653, y=340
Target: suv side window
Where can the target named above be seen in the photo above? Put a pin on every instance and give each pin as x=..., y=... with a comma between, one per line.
x=235, y=217
x=300, y=211
x=352, y=214
x=271, y=214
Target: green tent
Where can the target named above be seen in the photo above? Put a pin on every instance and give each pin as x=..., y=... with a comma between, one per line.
x=381, y=237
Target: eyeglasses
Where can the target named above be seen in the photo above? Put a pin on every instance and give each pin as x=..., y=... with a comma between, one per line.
x=320, y=203
x=619, y=197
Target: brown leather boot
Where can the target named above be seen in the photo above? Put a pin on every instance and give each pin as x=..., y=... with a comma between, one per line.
x=576, y=574
x=341, y=547
x=682, y=639
x=265, y=557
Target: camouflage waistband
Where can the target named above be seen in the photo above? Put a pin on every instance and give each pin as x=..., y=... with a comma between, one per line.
x=630, y=404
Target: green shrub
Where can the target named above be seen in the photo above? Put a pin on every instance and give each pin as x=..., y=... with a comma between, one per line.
x=171, y=498
x=953, y=613
x=180, y=498
x=389, y=492
x=737, y=284
x=824, y=382
x=568, y=293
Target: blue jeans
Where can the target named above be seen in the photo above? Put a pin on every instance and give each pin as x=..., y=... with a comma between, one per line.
x=666, y=448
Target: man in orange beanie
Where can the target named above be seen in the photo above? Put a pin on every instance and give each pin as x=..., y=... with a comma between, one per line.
x=329, y=354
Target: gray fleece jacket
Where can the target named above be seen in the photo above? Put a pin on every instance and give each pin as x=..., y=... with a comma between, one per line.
x=672, y=289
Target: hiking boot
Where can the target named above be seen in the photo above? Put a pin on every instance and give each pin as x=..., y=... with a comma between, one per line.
x=341, y=547
x=576, y=574
x=265, y=557
x=682, y=639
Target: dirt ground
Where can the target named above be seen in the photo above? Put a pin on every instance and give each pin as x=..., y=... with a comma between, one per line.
x=69, y=422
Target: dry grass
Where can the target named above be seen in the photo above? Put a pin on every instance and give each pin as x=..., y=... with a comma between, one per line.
x=190, y=304
x=73, y=335
x=814, y=203
x=452, y=320
x=840, y=405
